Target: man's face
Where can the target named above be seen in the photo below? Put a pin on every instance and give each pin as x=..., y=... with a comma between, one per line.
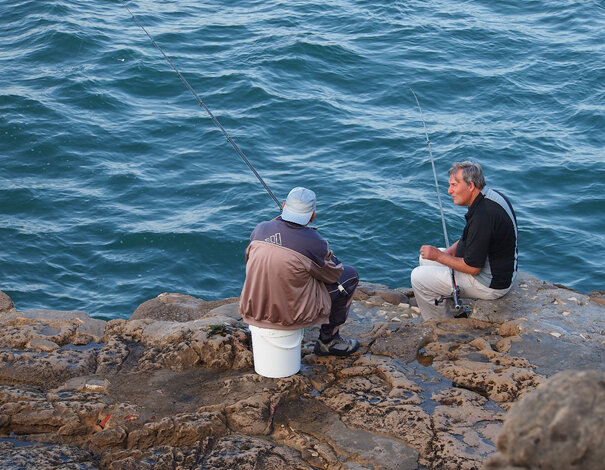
x=460, y=192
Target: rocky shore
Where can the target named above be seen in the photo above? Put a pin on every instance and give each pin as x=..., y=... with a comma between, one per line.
x=519, y=385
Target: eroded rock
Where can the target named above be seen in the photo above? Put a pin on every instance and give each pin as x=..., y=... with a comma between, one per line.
x=560, y=426
x=180, y=391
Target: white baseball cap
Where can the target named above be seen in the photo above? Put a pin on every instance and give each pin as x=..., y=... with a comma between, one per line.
x=299, y=206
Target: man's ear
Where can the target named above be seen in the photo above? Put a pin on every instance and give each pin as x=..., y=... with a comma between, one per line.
x=312, y=217
x=283, y=204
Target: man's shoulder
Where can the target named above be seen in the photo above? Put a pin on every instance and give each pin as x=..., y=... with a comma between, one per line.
x=495, y=215
x=497, y=197
x=294, y=233
x=490, y=209
x=263, y=224
x=497, y=203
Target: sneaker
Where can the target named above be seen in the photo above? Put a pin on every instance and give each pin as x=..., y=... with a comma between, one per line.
x=336, y=347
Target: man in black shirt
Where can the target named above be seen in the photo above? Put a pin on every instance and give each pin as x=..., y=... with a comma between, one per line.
x=484, y=259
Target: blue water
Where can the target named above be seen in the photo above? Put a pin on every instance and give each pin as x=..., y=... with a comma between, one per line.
x=115, y=185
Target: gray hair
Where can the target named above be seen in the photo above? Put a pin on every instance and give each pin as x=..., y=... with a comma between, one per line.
x=471, y=173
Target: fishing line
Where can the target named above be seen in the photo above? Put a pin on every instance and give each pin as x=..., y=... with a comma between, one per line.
x=462, y=310
x=203, y=105
x=428, y=142
x=218, y=124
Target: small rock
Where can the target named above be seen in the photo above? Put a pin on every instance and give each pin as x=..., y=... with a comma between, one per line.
x=6, y=304
x=177, y=307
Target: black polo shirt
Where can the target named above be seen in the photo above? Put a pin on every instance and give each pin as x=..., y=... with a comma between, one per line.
x=489, y=239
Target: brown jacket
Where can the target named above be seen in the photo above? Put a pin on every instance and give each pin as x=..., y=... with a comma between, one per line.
x=287, y=268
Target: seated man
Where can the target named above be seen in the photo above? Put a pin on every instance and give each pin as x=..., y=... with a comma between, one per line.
x=293, y=279
x=484, y=259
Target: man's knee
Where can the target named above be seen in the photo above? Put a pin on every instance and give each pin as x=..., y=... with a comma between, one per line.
x=416, y=277
x=349, y=276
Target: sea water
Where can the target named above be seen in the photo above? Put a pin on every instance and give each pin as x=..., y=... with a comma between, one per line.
x=116, y=186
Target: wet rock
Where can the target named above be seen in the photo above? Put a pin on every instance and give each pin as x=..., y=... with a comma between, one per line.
x=373, y=393
x=472, y=355
x=464, y=428
x=561, y=425
x=296, y=419
x=404, y=342
x=177, y=307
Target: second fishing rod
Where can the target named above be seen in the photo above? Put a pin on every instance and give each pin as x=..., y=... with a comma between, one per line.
x=461, y=311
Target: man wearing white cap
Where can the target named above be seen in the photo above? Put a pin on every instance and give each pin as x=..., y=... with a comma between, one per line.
x=293, y=280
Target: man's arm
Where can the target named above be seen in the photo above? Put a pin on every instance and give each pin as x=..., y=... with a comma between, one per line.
x=330, y=271
x=435, y=254
x=452, y=249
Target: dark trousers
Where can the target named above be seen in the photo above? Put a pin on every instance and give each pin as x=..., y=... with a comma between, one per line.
x=341, y=303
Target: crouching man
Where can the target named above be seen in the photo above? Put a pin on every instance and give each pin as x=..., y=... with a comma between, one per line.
x=293, y=280
x=484, y=259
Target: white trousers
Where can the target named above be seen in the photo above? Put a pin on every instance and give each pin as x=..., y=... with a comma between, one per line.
x=431, y=280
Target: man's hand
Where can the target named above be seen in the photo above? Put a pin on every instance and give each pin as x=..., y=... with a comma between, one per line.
x=447, y=258
x=430, y=252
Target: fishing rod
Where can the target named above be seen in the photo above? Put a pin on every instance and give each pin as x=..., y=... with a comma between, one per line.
x=462, y=311
x=218, y=124
x=203, y=105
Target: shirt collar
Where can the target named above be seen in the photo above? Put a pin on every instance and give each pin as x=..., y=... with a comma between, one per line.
x=473, y=206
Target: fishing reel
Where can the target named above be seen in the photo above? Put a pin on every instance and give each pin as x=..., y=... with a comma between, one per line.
x=462, y=311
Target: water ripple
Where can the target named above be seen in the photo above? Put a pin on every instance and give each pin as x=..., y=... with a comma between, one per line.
x=116, y=186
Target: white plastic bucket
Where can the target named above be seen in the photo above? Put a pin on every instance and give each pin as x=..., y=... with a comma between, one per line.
x=276, y=352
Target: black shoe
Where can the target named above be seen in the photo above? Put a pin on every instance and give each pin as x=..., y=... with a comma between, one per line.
x=336, y=347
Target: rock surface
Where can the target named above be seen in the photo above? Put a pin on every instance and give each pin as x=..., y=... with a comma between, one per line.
x=174, y=387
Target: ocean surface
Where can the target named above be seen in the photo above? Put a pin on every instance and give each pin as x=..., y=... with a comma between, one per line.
x=116, y=185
